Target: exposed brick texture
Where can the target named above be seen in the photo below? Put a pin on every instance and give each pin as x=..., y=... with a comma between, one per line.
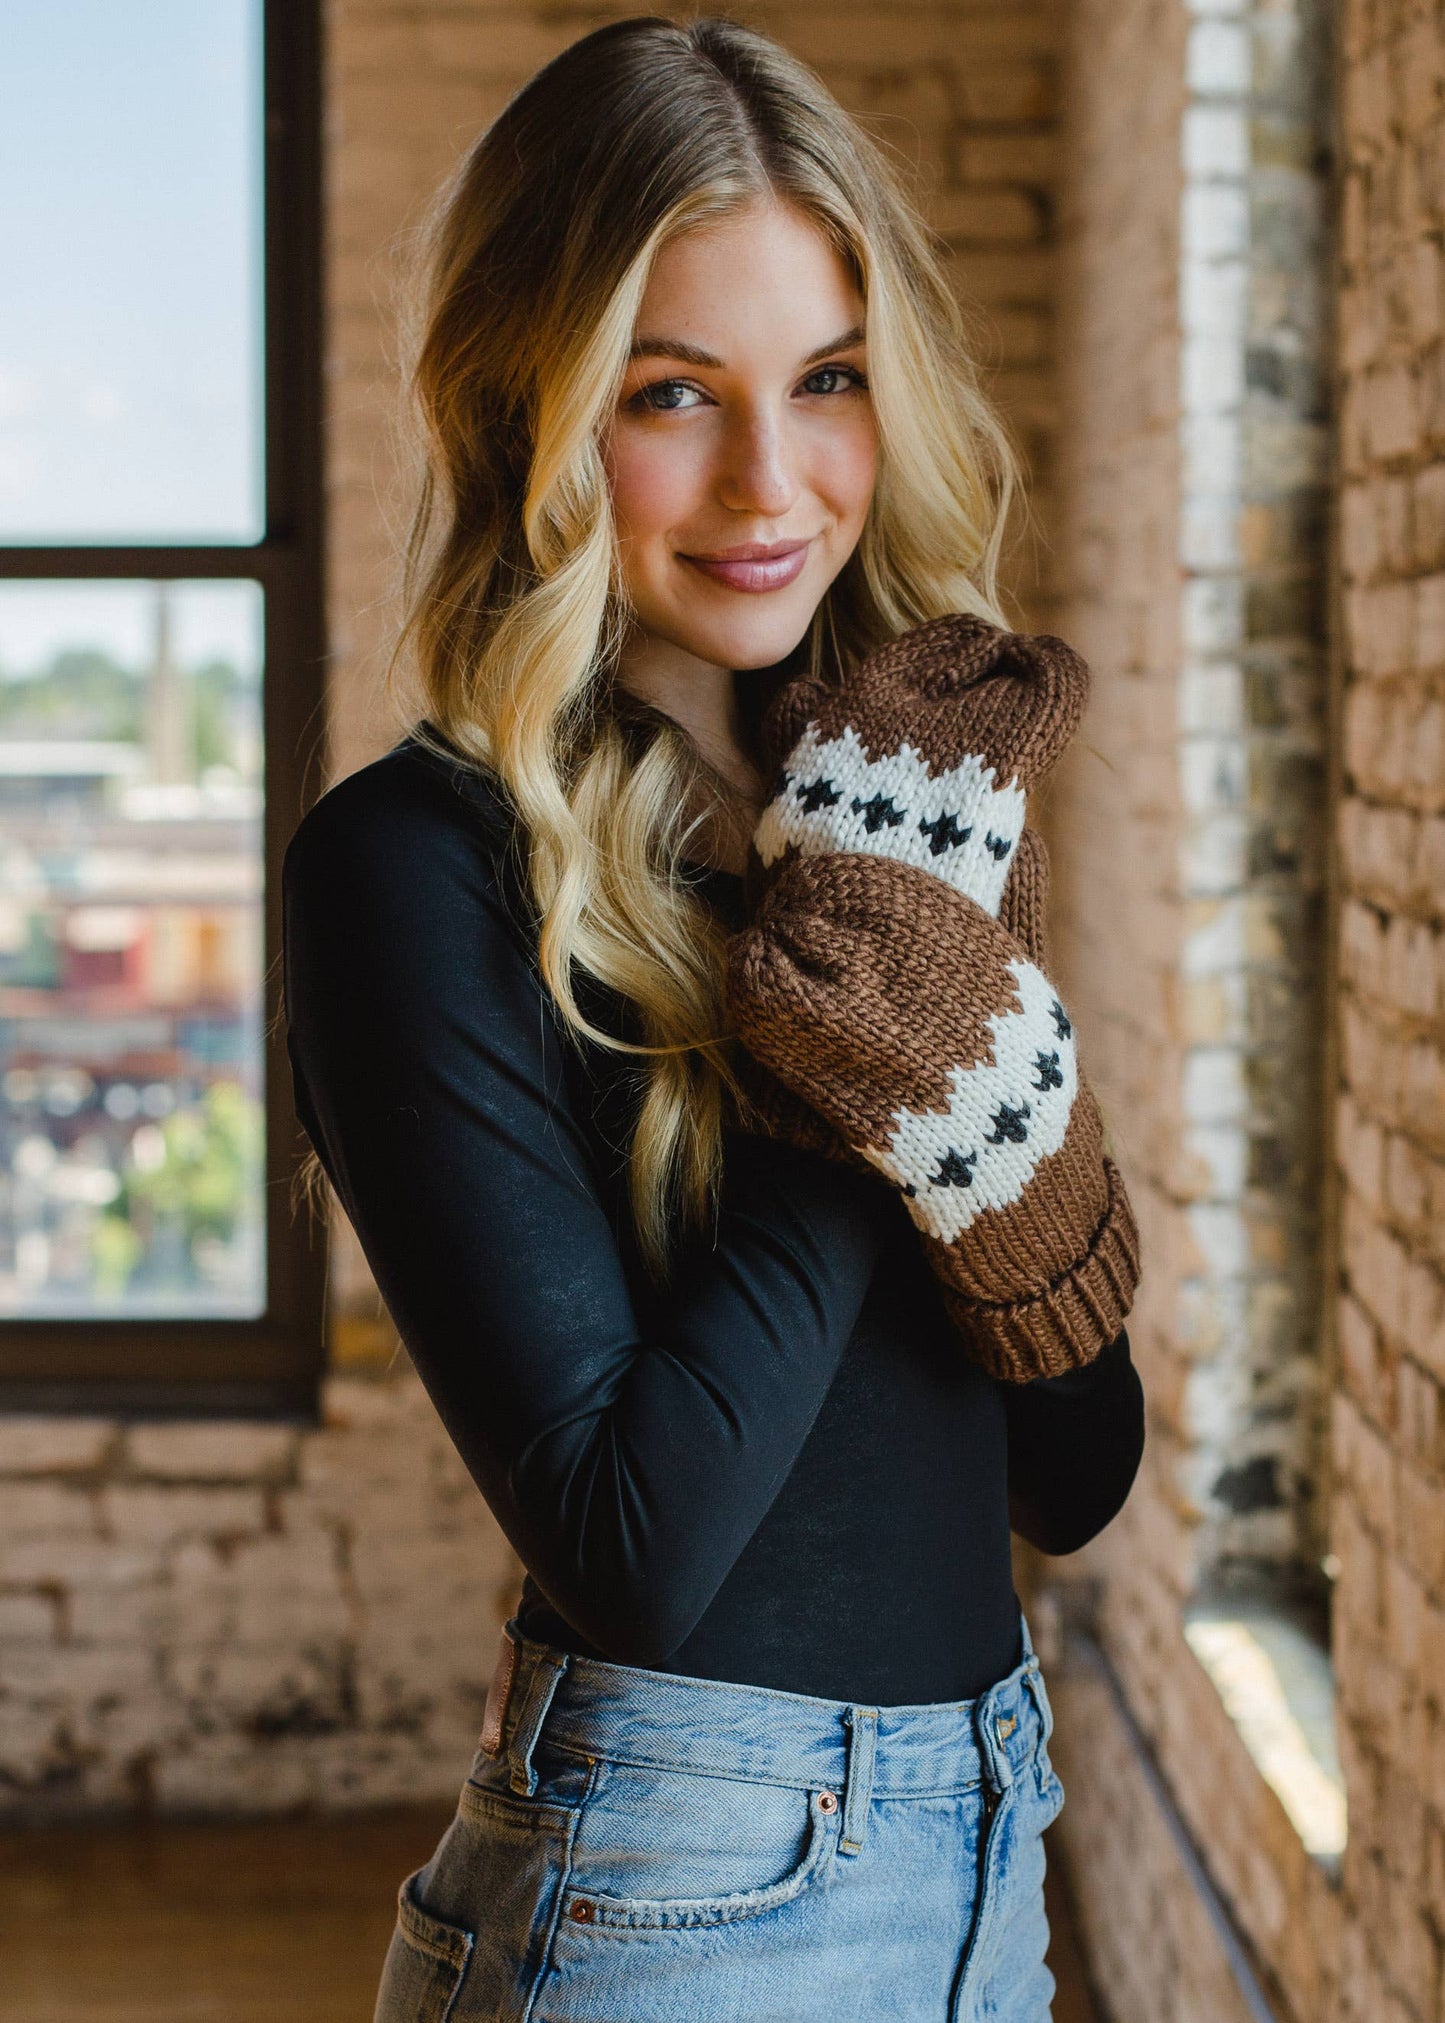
x=242, y=1618
x=1130, y=460
x=1191, y=462
x=1389, y=1137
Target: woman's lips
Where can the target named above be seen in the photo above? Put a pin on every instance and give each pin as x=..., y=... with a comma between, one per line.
x=758, y=566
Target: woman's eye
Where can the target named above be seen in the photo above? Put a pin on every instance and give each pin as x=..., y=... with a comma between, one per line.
x=664, y=396
x=834, y=379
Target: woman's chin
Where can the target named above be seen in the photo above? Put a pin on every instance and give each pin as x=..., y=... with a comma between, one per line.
x=754, y=640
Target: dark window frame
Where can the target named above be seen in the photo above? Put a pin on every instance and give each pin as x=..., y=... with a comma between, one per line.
x=269, y=1367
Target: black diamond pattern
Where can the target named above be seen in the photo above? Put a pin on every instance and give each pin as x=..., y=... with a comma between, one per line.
x=820, y=794
x=998, y=847
x=1010, y=1124
x=876, y=812
x=1061, y=1021
x=1051, y=1075
x=943, y=833
x=955, y=1170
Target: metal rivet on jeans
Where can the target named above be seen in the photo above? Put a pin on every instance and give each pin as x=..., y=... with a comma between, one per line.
x=827, y=1801
x=581, y=1914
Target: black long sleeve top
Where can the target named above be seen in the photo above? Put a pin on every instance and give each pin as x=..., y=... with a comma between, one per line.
x=781, y=1469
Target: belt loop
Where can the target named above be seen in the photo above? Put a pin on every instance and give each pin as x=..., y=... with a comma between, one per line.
x=546, y=1674
x=862, y=1743
x=1034, y=1679
x=494, y=1716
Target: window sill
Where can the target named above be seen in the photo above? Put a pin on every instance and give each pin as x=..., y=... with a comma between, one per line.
x=1277, y=1686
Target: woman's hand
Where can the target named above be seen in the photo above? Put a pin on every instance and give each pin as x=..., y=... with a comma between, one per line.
x=924, y=753
x=893, y=982
x=909, y=1019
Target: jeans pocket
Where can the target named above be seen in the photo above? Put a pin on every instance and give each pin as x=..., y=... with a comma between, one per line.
x=425, y=1963
x=666, y=1850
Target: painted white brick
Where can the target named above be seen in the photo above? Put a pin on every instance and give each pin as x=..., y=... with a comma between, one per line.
x=1214, y=296
x=1212, y=372
x=44, y=1511
x=1217, y=941
x=1213, y=774
x=1217, y=1401
x=1216, y=141
x=1214, y=1087
x=1214, y=855
x=1217, y=58
x=1212, y=614
x=1211, y=699
x=1211, y=449
x=1214, y=222
x=75, y=1675
x=1209, y=531
x=34, y=1446
x=1221, y=1237
x=25, y=1618
x=1223, y=1152
x=63, y=1559
x=219, y=1451
x=143, y=1514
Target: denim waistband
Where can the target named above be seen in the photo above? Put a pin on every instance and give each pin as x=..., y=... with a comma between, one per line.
x=760, y=1734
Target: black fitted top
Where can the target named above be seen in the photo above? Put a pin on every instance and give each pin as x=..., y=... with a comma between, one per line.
x=783, y=1470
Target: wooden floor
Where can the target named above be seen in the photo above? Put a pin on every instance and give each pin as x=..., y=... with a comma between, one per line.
x=262, y=1922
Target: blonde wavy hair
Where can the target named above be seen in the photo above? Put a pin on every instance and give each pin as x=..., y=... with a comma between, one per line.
x=533, y=264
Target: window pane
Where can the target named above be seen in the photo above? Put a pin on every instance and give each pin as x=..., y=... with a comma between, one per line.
x=132, y=1136
x=130, y=242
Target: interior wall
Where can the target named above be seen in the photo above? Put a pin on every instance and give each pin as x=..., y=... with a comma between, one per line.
x=1389, y=1425
x=1183, y=830
x=1372, y=1947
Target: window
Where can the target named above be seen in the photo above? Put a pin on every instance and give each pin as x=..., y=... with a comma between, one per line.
x=161, y=648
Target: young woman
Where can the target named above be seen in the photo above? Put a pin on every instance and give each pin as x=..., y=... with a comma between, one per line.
x=708, y=471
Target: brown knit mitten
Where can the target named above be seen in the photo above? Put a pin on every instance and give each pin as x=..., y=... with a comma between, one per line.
x=925, y=752
x=773, y=1109
x=910, y=1020
x=878, y=982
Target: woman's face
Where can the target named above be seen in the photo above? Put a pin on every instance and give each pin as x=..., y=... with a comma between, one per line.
x=743, y=454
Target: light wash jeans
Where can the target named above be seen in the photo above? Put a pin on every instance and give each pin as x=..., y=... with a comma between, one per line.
x=648, y=1848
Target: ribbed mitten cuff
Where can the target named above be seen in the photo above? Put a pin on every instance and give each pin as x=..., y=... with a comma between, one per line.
x=1066, y=1323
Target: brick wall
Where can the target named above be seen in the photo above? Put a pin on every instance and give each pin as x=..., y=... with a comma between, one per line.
x=202, y=1617
x=1131, y=454
x=1190, y=484
x=1389, y=1422
x=238, y=1618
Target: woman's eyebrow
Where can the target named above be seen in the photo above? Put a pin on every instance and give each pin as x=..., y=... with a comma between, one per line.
x=844, y=343
x=693, y=354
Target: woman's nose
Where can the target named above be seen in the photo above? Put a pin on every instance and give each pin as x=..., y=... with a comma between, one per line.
x=758, y=474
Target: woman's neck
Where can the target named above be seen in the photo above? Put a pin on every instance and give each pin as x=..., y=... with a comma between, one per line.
x=702, y=700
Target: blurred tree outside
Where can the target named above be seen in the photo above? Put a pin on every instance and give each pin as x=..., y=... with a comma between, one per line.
x=185, y=1188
